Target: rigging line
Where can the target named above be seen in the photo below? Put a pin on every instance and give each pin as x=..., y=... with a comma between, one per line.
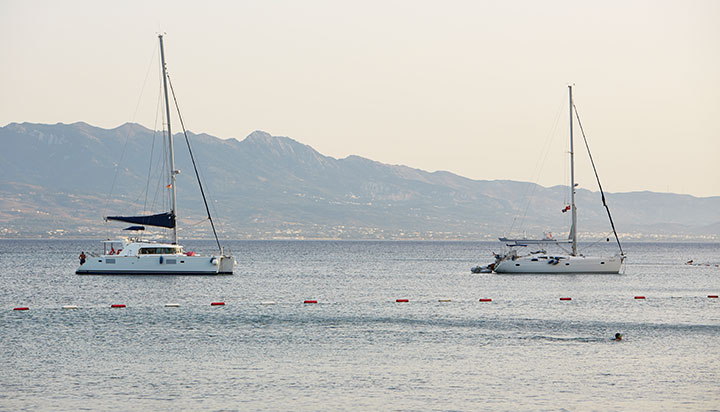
x=158, y=108
x=149, y=174
x=152, y=151
x=211, y=201
x=192, y=157
x=539, y=166
x=199, y=222
x=563, y=249
x=602, y=194
x=162, y=181
x=596, y=242
x=149, y=177
x=127, y=138
x=159, y=191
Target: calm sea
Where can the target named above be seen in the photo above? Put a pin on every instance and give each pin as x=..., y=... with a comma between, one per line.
x=357, y=349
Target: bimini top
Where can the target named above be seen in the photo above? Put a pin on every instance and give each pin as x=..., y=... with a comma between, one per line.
x=135, y=228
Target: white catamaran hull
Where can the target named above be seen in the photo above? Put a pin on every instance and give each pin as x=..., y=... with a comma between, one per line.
x=566, y=264
x=157, y=265
x=139, y=257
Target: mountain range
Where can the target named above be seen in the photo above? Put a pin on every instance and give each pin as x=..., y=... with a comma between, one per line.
x=60, y=180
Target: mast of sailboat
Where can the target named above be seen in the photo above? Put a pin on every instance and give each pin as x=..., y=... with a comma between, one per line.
x=173, y=172
x=573, y=229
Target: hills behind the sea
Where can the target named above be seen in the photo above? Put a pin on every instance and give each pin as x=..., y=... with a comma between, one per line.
x=60, y=180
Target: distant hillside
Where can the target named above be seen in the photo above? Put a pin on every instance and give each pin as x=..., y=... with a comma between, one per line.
x=59, y=180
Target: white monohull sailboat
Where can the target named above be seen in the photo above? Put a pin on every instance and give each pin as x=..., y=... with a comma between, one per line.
x=540, y=261
x=133, y=256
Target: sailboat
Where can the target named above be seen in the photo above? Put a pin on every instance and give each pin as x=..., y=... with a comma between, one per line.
x=514, y=261
x=134, y=256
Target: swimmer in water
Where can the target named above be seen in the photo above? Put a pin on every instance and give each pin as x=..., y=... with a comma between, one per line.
x=618, y=336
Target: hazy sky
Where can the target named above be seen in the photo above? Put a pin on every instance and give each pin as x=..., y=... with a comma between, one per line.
x=478, y=88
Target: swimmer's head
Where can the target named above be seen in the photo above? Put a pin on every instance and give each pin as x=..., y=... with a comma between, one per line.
x=618, y=336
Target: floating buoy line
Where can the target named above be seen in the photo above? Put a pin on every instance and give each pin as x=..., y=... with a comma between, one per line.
x=315, y=301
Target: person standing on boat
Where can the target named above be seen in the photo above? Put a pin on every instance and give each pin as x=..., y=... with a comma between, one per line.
x=82, y=258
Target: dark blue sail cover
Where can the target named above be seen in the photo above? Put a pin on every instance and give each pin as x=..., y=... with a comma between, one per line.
x=162, y=220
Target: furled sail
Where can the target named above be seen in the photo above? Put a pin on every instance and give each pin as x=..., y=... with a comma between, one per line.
x=162, y=220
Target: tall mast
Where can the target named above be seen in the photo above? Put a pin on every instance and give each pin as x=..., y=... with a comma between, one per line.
x=173, y=172
x=573, y=229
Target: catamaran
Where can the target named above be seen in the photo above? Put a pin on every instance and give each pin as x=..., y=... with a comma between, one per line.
x=540, y=261
x=134, y=256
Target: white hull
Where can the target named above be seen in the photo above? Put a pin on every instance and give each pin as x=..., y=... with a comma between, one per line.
x=566, y=264
x=157, y=265
x=571, y=262
x=139, y=257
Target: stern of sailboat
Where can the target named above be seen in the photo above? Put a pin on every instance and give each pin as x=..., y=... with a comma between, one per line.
x=226, y=264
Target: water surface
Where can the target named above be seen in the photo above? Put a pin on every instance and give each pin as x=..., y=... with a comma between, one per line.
x=357, y=349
